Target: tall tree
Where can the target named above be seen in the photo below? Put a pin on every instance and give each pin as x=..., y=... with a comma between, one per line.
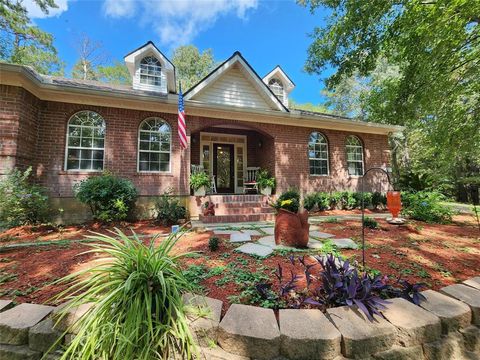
x=21, y=42
x=114, y=74
x=436, y=92
x=191, y=65
x=292, y=104
x=90, y=56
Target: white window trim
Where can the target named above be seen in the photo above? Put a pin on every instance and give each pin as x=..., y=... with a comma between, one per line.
x=328, y=155
x=347, y=146
x=80, y=147
x=278, y=85
x=160, y=152
x=156, y=77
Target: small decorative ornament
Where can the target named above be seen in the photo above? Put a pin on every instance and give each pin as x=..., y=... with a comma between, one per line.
x=394, y=205
x=209, y=209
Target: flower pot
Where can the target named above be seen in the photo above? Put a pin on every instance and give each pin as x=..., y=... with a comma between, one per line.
x=201, y=191
x=394, y=203
x=291, y=229
x=266, y=191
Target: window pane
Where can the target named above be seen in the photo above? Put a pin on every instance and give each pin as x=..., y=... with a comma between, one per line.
x=74, y=141
x=154, y=166
x=97, y=155
x=164, y=166
x=85, y=164
x=98, y=164
x=144, y=156
x=144, y=145
x=154, y=144
x=143, y=166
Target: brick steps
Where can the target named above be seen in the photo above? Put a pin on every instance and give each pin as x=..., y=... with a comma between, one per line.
x=236, y=218
x=218, y=199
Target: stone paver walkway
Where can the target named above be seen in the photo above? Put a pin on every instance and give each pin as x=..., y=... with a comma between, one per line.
x=255, y=249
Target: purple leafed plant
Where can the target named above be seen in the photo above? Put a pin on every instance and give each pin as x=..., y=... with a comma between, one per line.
x=340, y=284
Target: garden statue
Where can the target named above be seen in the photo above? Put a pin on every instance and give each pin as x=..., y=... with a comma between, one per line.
x=209, y=209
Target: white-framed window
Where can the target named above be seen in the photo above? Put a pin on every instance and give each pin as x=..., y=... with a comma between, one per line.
x=154, y=145
x=318, y=154
x=354, y=151
x=150, y=71
x=85, y=142
x=277, y=88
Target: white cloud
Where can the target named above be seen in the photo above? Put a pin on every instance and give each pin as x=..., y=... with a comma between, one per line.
x=36, y=13
x=178, y=22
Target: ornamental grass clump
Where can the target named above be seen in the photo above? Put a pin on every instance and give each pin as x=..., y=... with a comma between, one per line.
x=138, y=310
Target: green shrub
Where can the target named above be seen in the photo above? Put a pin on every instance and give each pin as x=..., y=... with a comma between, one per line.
x=426, y=206
x=378, y=199
x=110, y=198
x=21, y=202
x=367, y=199
x=370, y=223
x=318, y=200
x=289, y=200
x=138, y=310
x=169, y=210
x=264, y=179
x=310, y=201
x=198, y=180
x=213, y=243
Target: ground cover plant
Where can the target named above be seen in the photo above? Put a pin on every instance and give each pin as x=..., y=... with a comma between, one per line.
x=168, y=210
x=138, y=309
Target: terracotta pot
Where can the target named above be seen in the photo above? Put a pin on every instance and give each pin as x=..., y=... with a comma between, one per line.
x=394, y=203
x=291, y=229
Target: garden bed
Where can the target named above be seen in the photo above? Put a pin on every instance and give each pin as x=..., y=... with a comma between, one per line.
x=437, y=255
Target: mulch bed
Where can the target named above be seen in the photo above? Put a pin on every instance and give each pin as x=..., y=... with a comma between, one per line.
x=437, y=255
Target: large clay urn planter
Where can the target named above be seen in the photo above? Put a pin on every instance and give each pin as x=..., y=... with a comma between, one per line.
x=394, y=203
x=291, y=229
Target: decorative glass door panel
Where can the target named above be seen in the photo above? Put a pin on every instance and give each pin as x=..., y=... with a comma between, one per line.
x=223, y=167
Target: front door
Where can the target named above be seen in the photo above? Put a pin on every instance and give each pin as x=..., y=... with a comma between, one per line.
x=223, y=167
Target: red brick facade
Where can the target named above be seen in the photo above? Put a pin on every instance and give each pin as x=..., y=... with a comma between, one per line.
x=33, y=132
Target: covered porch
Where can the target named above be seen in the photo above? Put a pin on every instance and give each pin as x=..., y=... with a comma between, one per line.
x=230, y=154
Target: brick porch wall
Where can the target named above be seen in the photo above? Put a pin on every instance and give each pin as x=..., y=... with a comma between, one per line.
x=284, y=148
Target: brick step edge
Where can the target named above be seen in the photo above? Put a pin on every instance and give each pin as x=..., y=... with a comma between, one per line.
x=236, y=218
x=244, y=210
x=236, y=198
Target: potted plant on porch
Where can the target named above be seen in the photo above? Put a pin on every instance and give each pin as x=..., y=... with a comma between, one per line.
x=199, y=182
x=291, y=225
x=265, y=182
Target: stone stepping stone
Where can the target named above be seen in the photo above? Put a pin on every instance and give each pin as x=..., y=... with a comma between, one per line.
x=473, y=282
x=269, y=241
x=268, y=230
x=416, y=325
x=453, y=314
x=255, y=249
x=346, y=243
x=315, y=244
x=468, y=295
x=252, y=232
x=15, y=323
x=320, y=235
x=5, y=305
x=240, y=237
x=225, y=232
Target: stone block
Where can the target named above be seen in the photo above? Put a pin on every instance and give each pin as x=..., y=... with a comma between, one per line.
x=471, y=336
x=308, y=334
x=360, y=336
x=43, y=336
x=449, y=347
x=453, y=313
x=414, y=324
x=18, y=352
x=240, y=237
x=401, y=353
x=250, y=331
x=468, y=295
x=206, y=317
x=255, y=249
x=63, y=321
x=15, y=323
x=319, y=234
x=473, y=282
x=5, y=305
x=345, y=243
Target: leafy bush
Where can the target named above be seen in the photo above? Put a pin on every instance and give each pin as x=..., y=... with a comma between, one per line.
x=426, y=206
x=367, y=199
x=198, y=180
x=264, y=179
x=370, y=223
x=317, y=200
x=21, y=202
x=213, y=243
x=110, y=198
x=169, y=210
x=288, y=200
x=138, y=310
x=310, y=201
x=378, y=199
x=341, y=285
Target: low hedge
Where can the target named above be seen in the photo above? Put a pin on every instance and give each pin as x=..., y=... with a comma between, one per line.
x=344, y=200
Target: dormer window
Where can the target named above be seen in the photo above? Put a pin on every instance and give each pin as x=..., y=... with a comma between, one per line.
x=277, y=88
x=150, y=71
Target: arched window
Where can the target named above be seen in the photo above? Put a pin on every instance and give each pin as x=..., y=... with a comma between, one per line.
x=354, y=150
x=85, y=142
x=318, y=154
x=150, y=71
x=277, y=88
x=154, y=145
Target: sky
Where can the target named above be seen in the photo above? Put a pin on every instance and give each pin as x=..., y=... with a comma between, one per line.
x=267, y=33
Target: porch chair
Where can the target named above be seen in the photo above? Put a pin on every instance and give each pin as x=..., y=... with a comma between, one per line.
x=195, y=169
x=250, y=180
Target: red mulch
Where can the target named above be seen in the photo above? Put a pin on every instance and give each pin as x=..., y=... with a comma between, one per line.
x=437, y=255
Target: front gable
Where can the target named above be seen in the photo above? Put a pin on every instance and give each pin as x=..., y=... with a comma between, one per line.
x=235, y=83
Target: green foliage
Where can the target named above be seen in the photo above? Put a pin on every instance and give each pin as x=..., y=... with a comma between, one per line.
x=114, y=74
x=346, y=200
x=317, y=201
x=378, y=199
x=288, y=200
x=22, y=202
x=213, y=243
x=169, y=210
x=264, y=179
x=370, y=223
x=197, y=180
x=308, y=107
x=191, y=66
x=21, y=42
x=110, y=198
x=426, y=206
x=138, y=310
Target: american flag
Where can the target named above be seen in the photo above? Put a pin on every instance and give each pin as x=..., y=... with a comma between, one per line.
x=182, y=126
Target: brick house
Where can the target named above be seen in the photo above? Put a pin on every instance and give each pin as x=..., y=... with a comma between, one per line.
x=69, y=129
